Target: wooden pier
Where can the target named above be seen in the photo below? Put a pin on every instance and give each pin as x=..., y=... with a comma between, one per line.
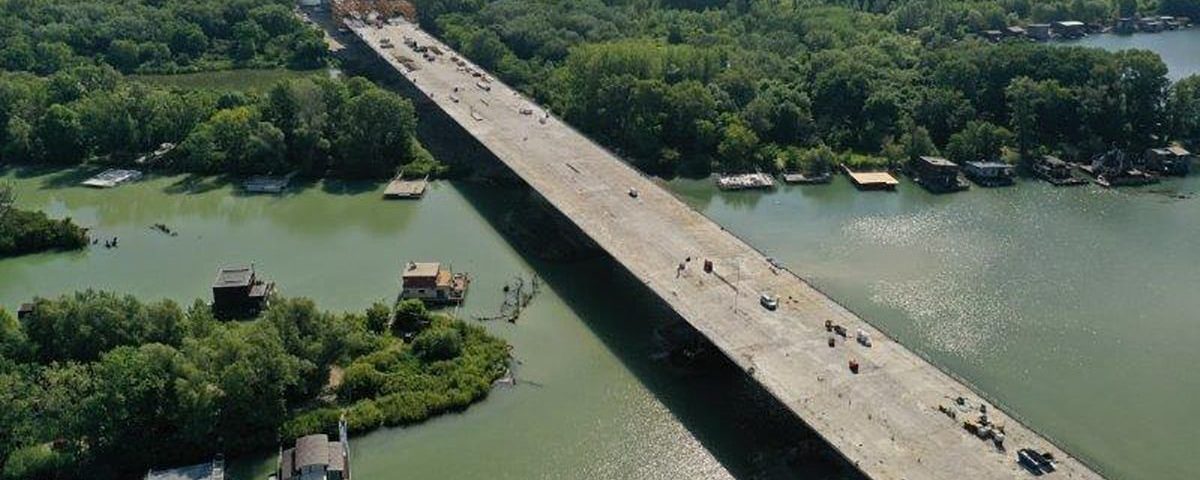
x=399, y=188
x=871, y=180
x=883, y=418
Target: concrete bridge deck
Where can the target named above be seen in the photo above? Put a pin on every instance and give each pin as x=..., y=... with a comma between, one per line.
x=884, y=419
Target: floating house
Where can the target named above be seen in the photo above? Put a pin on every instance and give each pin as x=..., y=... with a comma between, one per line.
x=267, y=184
x=989, y=174
x=1014, y=32
x=1039, y=31
x=937, y=175
x=1173, y=160
x=214, y=470
x=1150, y=25
x=1052, y=169
x=745, y=181
x=807, y=178
x=1125, y=25
x=238, y=292
x=433, y=283
x=1113, y=169
x=156, y=155
x=871, y=180
x=25, y=310
x=112, y=177
x=316, y=457
x=1069, y=29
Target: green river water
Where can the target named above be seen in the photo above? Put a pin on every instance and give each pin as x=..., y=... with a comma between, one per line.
x=593, y=403
x=1075, y=307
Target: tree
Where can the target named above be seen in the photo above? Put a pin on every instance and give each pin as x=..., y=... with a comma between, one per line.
x=978, y=141
x=915, y=142
x=411, y=315
x=188, y=40
x=1023, y=101
x=485, y=48
x=1143, y=86
x=16, y=413
x=376, y=134
x=125, y=55
x=1183, y=108
x=738, y=145
x=440, y=343
x=59, y=136
x=150, y=404
x=379, y=318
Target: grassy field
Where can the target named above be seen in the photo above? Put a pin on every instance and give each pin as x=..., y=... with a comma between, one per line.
x=229, y=80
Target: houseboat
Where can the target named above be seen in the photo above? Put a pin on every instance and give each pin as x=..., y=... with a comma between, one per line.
x=316, y=457
x=433, y=283
x=112, y=177
x=1052, y=169
x=214, y=470
x=1113, y=169
x=807, y=178
x=745, y=181
x=937, y=175
x=1069, y=29
x=238, y=292
x=1039, y=31
x=989, y=174
x=267, y=184
x=1173, y=160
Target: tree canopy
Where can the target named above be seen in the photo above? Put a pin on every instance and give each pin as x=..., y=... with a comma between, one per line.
x=726, y=85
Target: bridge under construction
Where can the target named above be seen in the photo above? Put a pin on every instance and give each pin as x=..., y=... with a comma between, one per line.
x=894, y=417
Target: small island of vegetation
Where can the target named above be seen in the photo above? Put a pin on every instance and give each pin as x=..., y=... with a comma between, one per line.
x=101, y=385
x=23, y=232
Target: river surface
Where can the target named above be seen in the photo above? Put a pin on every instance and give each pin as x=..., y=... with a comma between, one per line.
x=1075, y=307
x=1179, y=49
x=592, y=403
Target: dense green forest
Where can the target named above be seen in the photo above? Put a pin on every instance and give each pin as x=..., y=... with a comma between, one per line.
x=108, y=385
x=165, y=36
x=24, y=232
x=315, y=125
x=689, y=85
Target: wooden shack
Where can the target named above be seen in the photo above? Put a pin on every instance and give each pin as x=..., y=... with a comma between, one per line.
x=937, y=175
x=431, y=282
x=238, y=292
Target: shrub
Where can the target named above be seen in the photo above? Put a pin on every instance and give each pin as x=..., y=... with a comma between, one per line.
x=438, y=344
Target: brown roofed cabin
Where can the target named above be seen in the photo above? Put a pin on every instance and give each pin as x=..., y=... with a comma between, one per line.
x=937, y=175
x=315, y=457
x=238, y=292
x=433, y=283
